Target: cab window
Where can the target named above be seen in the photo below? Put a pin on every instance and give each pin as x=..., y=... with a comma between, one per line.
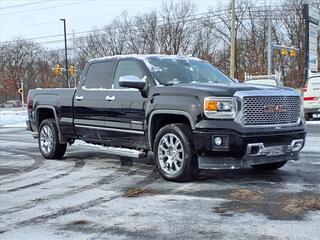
x=99, y=75
x=125, y=68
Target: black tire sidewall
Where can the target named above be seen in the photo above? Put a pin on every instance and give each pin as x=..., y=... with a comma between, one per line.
x=51, y=124
x=188, y=154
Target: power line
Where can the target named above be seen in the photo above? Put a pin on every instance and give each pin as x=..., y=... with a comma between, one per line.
x=221, y=11
x=46, y=8
x=55, y=22
x=24, y=4
x=91, y=31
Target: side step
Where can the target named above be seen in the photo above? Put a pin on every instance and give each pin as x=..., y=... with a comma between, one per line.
x=125, y=152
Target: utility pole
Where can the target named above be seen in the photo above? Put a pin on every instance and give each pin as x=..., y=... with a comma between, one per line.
x=65, y=49
x=269, y=47
x=233, y=39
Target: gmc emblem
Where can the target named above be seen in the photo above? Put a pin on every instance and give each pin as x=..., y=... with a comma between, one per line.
x=274, y=109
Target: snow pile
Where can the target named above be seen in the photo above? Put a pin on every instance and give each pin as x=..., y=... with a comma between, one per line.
x=13, y=117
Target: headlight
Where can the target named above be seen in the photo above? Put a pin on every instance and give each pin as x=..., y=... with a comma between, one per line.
x=219, y=107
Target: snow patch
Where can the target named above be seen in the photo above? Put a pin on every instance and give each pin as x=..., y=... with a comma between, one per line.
x=13, y=117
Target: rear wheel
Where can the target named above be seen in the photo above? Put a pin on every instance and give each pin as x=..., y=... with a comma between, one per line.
x=269, y=166
x=48, y=140
x=174, y=153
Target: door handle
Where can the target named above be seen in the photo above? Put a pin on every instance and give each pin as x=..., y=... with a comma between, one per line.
x=79, y=98
x=110, y=98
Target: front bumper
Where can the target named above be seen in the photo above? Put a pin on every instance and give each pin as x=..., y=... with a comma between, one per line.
x=256, y=154
x=247, y=147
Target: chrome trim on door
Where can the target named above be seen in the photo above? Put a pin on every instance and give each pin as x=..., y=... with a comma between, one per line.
x=111, y=129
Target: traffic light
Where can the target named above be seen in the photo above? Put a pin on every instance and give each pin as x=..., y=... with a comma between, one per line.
x=292, y=53
x=71, y=70
x=284, y=52
x=57, y=70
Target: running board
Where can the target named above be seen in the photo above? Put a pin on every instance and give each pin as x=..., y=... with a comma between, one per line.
x=125, y=152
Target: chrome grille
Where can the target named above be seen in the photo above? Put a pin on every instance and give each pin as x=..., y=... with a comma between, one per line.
x=268, y=110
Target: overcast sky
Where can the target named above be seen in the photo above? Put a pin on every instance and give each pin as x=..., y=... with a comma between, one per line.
x=40, y=18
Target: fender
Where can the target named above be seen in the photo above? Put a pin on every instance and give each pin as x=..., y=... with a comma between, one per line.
x=61, y=138
x=175, y=112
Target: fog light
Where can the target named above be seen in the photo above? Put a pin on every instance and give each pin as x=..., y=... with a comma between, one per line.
x=218, y=141
x=297, y=145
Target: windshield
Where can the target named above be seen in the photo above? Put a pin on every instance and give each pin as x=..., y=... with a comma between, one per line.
x=262, y=81
x=169, y=71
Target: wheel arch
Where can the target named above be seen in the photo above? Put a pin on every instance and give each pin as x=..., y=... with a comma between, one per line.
x=158, y=119
x=44, y=112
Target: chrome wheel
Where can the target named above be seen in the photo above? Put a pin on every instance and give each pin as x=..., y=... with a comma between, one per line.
x=46, y=139
x=170, y=153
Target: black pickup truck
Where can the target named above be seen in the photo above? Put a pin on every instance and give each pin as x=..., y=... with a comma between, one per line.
x=184, y=110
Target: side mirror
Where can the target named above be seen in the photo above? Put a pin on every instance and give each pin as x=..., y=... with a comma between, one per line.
x=131, y=81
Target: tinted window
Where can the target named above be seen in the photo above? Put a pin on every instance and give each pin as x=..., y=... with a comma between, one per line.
x=99, y=75
x=126, y=68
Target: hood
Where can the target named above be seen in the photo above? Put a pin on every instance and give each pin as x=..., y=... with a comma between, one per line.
x=224, y=90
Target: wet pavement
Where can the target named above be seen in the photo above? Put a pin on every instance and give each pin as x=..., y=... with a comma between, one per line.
x=92, y=195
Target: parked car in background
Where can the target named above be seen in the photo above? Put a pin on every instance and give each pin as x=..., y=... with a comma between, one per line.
x=11, y=103
x=264, y=80
x=311, y=97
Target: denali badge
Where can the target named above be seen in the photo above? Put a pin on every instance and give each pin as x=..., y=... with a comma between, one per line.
x=274, y=109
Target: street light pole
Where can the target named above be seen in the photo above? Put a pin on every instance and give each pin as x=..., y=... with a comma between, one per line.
x=233, y=39
x=65, y=49
x=269, y=47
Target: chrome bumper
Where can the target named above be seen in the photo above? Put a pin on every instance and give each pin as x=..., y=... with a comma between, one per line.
x=256, y=153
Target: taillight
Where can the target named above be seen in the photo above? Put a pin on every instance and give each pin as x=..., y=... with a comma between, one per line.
x=28, y=104
x=310, y=98
x=305, y=87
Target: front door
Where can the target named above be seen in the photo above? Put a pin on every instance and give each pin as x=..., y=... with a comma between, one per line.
x=125, y=108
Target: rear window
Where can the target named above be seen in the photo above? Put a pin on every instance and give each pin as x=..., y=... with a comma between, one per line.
x=99, y=75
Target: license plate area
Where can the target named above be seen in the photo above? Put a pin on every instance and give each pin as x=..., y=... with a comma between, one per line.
x=273, y=151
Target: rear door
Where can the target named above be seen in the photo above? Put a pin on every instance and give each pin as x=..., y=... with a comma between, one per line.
x=89, y=100
x=125, y=107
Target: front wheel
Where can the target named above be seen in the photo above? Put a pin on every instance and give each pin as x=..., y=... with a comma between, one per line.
x=269, y=166
x=48, y=140
x=174, y=154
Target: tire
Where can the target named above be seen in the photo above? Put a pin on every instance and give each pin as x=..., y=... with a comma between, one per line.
x=48, y=140
x=269, y=166
x=175, y=159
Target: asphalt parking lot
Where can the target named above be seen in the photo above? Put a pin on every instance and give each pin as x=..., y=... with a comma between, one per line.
x=92, y=195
